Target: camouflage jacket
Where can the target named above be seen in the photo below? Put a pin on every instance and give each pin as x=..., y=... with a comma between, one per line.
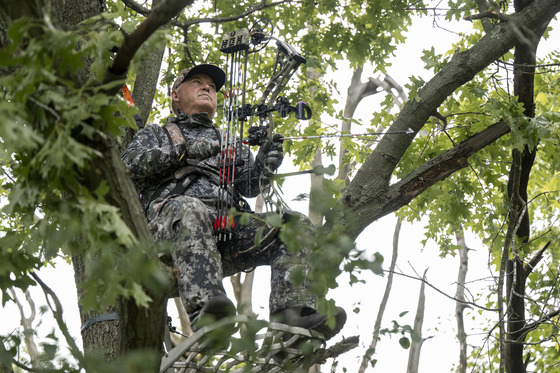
x=158, y=163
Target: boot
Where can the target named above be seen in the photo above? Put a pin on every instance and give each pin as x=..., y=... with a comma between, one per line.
x=292, y=317
x=340, y=320
x=215, y=309
x=315, y=321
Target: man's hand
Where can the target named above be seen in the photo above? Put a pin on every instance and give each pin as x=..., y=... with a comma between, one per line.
x=204, y=148
x=271, y=153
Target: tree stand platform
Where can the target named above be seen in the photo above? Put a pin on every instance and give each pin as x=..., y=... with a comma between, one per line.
x=254, y=346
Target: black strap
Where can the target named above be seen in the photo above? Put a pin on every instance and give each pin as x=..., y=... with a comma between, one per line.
x=138, y=121
x=98, y=318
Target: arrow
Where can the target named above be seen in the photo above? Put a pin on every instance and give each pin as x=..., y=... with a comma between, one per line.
x=407, y=132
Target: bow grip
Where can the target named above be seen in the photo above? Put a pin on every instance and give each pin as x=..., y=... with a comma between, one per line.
x=256, y=135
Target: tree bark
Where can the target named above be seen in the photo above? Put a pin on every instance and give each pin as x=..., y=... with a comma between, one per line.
x=103, y=337
x=139, y=328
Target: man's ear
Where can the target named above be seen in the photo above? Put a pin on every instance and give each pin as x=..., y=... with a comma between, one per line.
x=174, y=96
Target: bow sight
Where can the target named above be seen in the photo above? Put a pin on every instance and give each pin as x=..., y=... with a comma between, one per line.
x=237, y=45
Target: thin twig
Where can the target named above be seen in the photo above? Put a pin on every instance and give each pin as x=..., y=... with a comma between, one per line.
x=417, y=277
x=57, y=313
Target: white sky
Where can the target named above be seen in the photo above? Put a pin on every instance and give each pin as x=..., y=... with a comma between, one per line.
x=440, y=352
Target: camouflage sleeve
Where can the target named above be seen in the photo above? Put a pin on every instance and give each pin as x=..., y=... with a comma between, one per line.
x=151, y=153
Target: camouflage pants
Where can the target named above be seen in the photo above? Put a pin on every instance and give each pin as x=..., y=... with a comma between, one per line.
x=203, y=261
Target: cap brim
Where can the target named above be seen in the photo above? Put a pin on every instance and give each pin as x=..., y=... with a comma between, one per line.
x=218, y=75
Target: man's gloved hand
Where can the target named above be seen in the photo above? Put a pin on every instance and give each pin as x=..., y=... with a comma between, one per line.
x=204, y=148
x=271, y=153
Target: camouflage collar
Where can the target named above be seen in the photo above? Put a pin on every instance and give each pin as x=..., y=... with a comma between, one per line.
x=192, y=121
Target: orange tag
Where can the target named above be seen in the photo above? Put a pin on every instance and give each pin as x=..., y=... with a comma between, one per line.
x=127, y=95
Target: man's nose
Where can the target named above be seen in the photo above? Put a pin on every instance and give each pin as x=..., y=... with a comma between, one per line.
x=206, y=86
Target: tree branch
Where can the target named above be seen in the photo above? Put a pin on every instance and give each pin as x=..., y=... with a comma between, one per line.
x=369, y=186
x=490, y=13
x=27, y=324
x=159, y=16
x=235, y=17
x=534, y=325
x=136, y=7
x=57, y=313
x=384, y=201
x=185, y=25
x=448, y=162
x=535, y=259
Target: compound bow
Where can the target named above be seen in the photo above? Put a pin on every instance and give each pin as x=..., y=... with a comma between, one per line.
x=237, y=45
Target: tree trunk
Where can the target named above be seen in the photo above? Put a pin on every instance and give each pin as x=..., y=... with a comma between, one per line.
x=243, y=291
x=357, y=91
x=460, y=296
x=316, y=183
x=28, y=328
x=103, y=337
x=145, y=85
x=353, y=98
x=366, y=360
x=416, y=346
x=524, y=82
x=184, y=320
x=138, y=328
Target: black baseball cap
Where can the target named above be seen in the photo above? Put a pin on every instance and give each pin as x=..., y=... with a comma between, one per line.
x=214, y=72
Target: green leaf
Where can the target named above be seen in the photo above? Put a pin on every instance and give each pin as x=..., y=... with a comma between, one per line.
x=274, y=220
x=404, y=342
x=142, y=299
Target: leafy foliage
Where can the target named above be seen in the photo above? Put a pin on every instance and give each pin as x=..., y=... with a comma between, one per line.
x=51, y=116
x=55, y=105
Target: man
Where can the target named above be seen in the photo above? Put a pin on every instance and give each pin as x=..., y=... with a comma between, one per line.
x=176, y=168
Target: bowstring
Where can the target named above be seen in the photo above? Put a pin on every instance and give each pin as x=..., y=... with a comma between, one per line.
x=220, y=223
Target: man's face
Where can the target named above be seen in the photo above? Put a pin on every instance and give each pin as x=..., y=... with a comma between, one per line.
x=197, y=94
